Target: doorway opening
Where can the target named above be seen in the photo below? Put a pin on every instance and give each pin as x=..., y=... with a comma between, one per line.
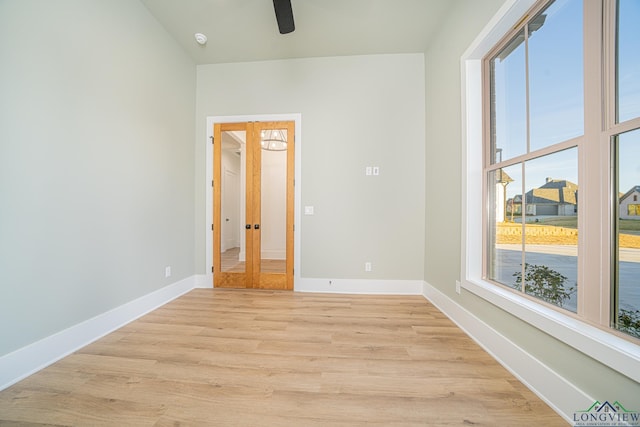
x=253, y=204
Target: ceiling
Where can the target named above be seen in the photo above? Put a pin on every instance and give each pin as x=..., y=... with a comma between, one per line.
x=246, y=30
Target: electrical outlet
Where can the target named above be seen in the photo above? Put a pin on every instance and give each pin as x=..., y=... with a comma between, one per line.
x=367, y=266
x=167, y=271
x=457, y=286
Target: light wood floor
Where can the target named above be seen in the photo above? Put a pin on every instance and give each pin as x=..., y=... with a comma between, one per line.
x=230, y=263
x=262, y=358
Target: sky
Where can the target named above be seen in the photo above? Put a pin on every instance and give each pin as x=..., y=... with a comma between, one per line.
x=629, y=92
x=556, y=95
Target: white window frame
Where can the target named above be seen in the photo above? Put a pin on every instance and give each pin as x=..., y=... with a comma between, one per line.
x=616, y=352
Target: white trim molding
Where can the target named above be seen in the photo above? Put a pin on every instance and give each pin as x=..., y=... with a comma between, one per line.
x=615, y=352
x=360, y=286
x=211, y=120
x=202, y=281
x=562, y=396
x=28, y=360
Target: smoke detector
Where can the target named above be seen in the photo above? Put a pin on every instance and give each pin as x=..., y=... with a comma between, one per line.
x=201, y=39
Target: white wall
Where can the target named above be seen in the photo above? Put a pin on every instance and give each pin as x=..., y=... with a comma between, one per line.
x=356, y=112
x=96, y=162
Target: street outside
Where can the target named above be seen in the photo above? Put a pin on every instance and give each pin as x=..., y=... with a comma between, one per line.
x=563, y=259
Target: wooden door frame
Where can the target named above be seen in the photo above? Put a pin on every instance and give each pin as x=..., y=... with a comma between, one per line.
x=209, y=190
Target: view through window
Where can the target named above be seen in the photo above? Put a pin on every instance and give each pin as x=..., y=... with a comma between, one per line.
x=536, y=115
x=535, y=143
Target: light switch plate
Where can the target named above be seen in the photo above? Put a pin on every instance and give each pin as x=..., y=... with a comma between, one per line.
x=308, y=210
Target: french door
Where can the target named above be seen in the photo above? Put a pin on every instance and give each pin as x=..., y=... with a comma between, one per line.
x=253, y=167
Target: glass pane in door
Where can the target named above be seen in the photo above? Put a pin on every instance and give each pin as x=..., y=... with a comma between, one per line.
x=233, y=202
x=273, y=200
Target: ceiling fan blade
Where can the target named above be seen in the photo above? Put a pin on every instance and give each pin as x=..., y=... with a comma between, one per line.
x=284, y=16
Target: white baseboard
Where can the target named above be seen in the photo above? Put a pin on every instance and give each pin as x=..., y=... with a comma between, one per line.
x=25, y=361
x=359, y=286
x=203, y=281
x=561, y=395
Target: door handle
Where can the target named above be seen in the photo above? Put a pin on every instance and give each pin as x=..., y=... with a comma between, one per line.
x=256, y=226
x=248, y=226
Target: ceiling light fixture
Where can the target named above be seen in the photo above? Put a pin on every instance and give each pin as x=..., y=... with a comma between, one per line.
x=273, y=140
x=200, y=38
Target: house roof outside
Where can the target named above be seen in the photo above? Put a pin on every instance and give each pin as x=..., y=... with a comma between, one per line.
x=559, y=191
x=554, y=191
x=634, y=189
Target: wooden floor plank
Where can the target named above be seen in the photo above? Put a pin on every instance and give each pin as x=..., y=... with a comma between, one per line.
x=246, y=358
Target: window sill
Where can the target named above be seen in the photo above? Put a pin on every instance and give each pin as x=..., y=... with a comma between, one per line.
x=609, y=349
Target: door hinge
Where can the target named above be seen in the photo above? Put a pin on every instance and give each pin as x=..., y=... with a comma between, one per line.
x=211, y=227
x=212, y=181
x=212, y=140
x=212, y=268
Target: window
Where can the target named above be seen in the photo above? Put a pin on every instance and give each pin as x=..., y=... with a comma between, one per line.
x=536, y=122
x=554, y=129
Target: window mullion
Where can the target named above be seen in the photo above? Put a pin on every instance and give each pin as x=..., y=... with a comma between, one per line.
x=523, y=226
x=527, y=96
x=594, y=258
x=609, y=81
x=523, y=191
